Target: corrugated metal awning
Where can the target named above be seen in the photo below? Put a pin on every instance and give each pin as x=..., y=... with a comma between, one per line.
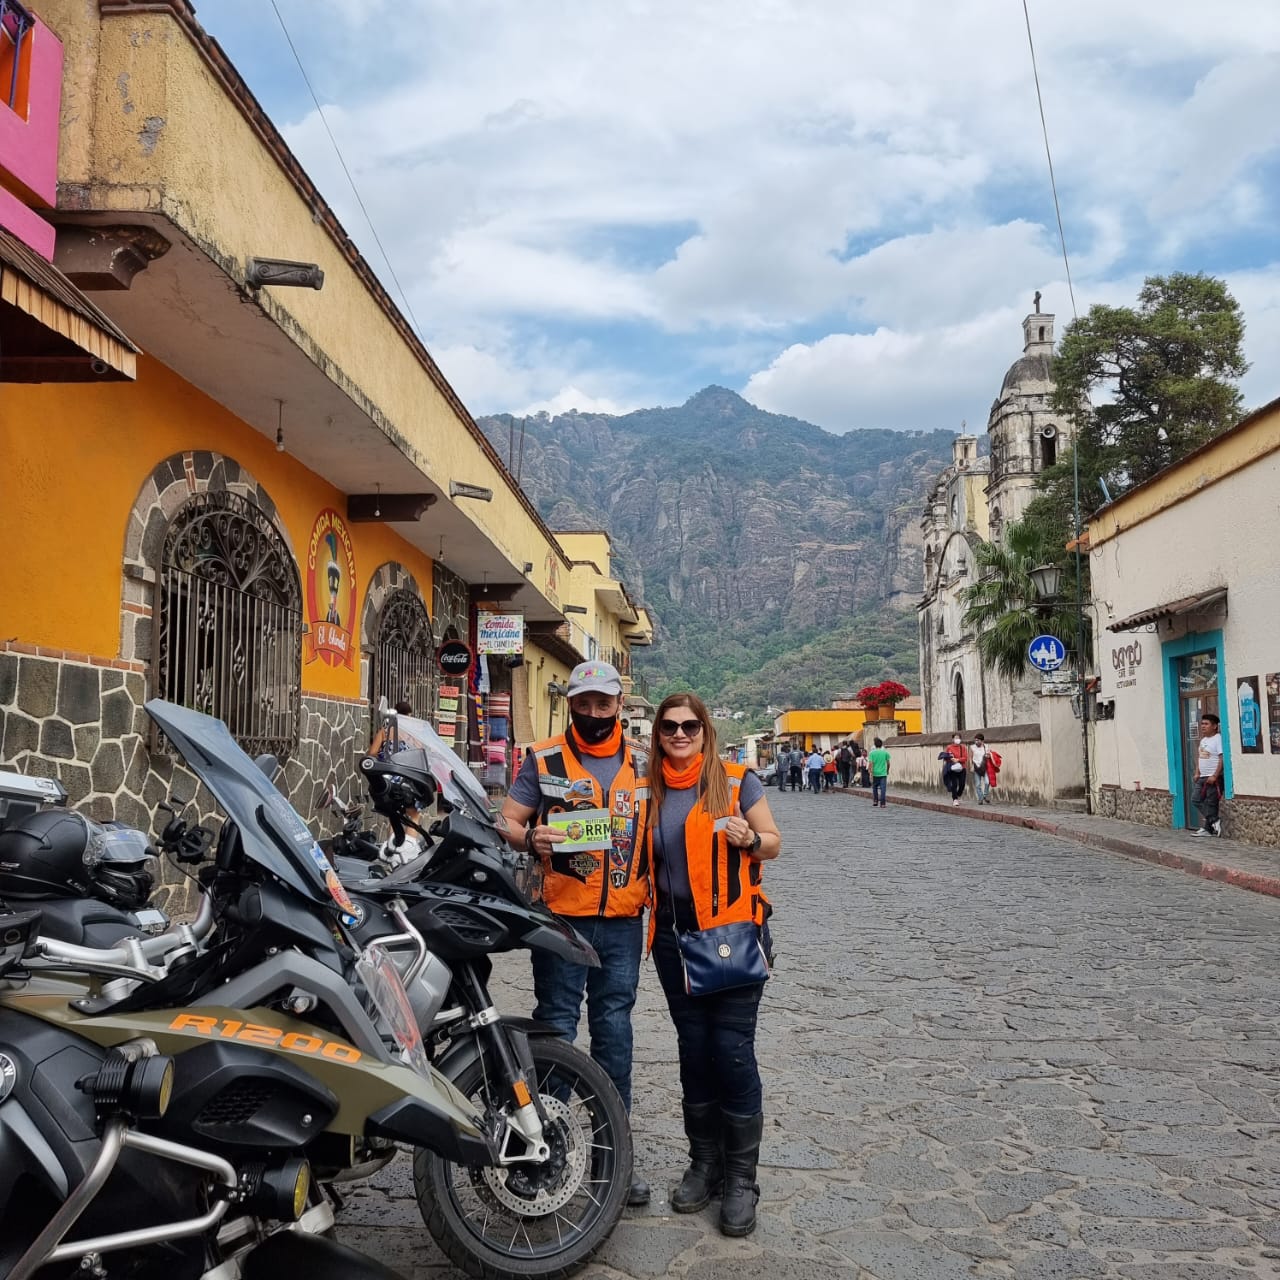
x=1174, y=608
x=49, y=330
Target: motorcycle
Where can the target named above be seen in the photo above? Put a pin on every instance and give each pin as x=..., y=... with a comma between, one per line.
x=169, y=1080
x=562, y=1180
x=87, y=1140
x=552, y=1184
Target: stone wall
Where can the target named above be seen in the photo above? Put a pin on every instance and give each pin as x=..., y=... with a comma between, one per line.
x=1254, y=819
x=82, y=722
x=1150, y=806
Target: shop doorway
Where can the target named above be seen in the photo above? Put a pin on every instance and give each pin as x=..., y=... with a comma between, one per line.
x=1197, y=696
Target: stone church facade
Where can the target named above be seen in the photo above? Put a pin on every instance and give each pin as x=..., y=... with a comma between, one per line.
x=973, y=501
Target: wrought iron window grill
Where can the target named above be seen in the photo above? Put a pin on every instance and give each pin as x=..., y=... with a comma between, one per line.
x=404, y=660
x=16, y=23
x=228, y=621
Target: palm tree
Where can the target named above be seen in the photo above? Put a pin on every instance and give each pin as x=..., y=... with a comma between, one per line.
x=1002, y=607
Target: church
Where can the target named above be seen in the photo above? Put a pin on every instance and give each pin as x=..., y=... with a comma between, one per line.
x=973, y=501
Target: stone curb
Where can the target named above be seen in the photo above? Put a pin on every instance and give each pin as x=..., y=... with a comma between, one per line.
x=1254, y=881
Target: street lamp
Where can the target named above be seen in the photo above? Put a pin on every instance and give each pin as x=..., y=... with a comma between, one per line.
x=1046, y=579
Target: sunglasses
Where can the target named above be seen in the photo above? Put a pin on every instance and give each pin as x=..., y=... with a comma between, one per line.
x=690, y=728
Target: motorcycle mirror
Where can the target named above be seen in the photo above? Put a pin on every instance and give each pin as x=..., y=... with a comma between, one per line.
x=269, y=765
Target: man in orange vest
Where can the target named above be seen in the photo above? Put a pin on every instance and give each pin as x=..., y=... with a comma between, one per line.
x=579, y=803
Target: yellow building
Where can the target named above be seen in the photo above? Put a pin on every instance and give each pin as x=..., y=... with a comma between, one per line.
x=601, y=621
x=278, y=511
x=820, y=729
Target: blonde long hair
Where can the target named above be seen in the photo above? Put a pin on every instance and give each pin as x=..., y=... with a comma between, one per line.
x=713, y=782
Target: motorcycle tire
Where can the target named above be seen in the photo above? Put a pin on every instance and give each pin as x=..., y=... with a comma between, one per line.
x=534, y=1222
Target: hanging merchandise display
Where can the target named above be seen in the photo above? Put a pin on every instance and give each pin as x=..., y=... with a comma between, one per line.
x=497, y=734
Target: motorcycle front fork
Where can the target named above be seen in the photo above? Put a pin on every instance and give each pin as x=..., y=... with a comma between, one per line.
x=509, y=1052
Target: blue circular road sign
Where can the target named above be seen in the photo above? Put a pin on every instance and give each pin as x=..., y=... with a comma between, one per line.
x=1047, y=653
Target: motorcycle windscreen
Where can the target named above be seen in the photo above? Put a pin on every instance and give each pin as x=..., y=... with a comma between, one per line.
x=459, y=786
x=272, y=833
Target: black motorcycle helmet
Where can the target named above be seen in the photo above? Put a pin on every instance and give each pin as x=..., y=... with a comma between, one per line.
x=58, y=853
x=42, y=856
x=120, y=862
x=403, y=782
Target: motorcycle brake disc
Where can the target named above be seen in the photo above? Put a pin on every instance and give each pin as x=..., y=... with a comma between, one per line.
x=522, y=1189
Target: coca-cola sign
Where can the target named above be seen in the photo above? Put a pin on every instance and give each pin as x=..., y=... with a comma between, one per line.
x=454, y=657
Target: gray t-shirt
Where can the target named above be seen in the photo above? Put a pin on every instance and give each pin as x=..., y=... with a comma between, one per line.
x=525, y=789
x=670, y=859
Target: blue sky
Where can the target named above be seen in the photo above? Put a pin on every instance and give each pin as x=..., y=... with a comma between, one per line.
x=838, y=208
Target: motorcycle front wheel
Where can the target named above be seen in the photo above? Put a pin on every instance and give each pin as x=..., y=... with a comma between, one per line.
x=543, y=1220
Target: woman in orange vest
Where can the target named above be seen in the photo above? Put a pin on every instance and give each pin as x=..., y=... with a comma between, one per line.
x=709, y=830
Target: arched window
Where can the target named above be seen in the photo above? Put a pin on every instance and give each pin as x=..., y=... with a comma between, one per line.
x=228, y=610
x=403, y=666
x=1048, y=447
x=959, y=699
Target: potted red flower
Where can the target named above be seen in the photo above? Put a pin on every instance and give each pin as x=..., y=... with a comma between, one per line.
x=882, y=698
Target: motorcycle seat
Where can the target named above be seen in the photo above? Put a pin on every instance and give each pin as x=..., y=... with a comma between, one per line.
x=85, y=922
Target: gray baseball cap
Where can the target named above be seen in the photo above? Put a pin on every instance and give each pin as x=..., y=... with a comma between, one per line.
x=595, y=677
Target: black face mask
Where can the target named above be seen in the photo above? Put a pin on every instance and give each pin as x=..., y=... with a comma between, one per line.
x=592, y=730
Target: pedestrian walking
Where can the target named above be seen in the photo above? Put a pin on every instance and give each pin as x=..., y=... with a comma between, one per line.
x=814, y=766
x=979, y=761
x=591, y=770
x=796, y=769
x=844, y=762
x=700, y=804
x=828, y=770
x=879, y=759
x=1206, y=790
x=782, y=766
x=955, y=765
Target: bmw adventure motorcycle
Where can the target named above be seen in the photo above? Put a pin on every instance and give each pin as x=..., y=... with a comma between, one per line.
x=561, y=1181
x=521, y=1171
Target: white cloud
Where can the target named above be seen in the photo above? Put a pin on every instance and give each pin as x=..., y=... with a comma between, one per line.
x=843, y=205
x=568, y=398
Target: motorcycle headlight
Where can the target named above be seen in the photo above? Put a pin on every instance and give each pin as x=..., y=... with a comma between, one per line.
x=381, y=979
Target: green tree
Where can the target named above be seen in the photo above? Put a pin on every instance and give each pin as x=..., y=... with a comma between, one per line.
x=1148, y=384
x=1001, y=606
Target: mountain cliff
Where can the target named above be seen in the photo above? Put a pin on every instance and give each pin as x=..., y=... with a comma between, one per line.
x=782, y=562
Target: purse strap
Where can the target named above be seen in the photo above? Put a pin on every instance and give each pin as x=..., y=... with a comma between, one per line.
x=661, y=840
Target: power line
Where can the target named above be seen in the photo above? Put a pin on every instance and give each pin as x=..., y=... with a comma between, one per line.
x=337, y=150
x=1083, y=693
x=1053, y=182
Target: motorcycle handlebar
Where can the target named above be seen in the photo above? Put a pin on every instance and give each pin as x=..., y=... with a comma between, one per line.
x=127, y=954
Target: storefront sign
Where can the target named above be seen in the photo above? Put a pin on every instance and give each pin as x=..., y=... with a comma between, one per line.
x=499, y=632
x=1273, y=709
x=454, y=657
x=331, y=592
x=1250, y=721
x=1126, y=660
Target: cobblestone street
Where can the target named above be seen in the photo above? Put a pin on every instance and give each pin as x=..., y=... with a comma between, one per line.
x=986, y=1052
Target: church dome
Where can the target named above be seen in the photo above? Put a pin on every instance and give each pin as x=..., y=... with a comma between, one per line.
x=1027, y=371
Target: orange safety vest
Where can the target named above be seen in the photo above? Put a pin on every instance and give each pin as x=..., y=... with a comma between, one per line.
x=725, y=880
x=597, y=882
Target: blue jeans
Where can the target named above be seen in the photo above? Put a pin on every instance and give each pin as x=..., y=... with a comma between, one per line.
x=558, y=987
x=879, y=788
x=815, y=780
x=715, y=1035
x=981, y=786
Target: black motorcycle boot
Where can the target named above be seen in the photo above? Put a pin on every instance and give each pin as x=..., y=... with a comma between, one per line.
x=742, y=1136
x=705, y=1174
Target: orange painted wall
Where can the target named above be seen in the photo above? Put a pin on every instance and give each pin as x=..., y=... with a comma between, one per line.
x=72, y=460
